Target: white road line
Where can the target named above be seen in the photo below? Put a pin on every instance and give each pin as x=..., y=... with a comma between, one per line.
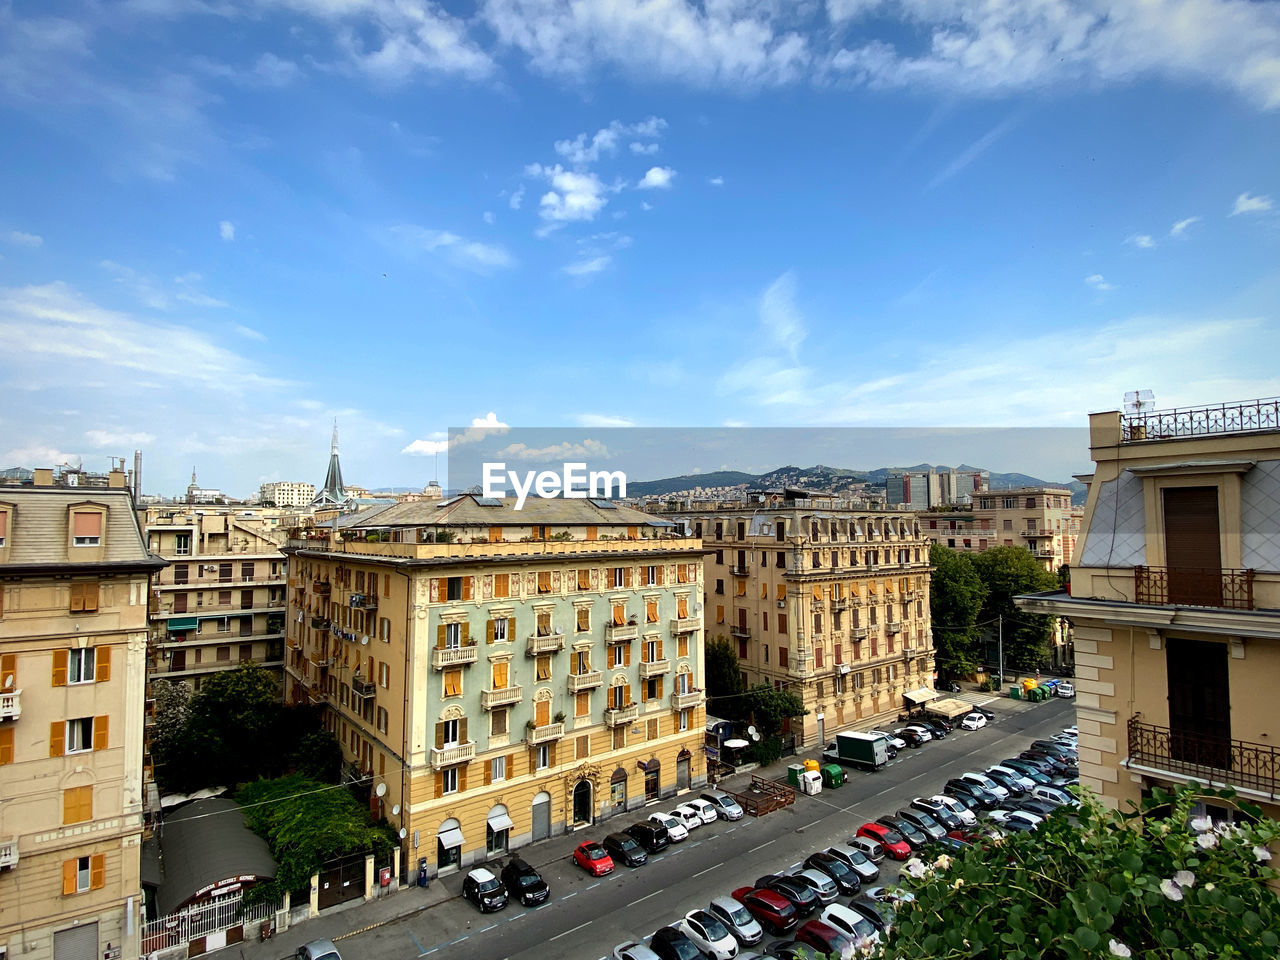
x=574, y=930
x=568, y=895
x=700, y=873
x=808, y=825
x=487, y=929
x=763, y=845
x=654, y=894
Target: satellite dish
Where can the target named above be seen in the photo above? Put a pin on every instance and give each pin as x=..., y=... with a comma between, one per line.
x=395, y=810
x=364, y=641
x=751, y=730
x=402, y=833
x=755, y=736
x=1135, y=401
x=381, y=790
x=559, y=631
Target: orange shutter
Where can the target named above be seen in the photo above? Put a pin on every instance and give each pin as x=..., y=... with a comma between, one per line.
x=466, y=634
x=97, y=871
x=440, y=636
x=462, y=731
x=100, y=732
x=6, y=745
x=495, y=534
x=102, y=669
x=626, y=690
x=511, y=629
x=593, y=533
x=69, y=869
x=488, y=631
x=439, y=784
x=439, y=738
x=86, y=525
x=60, y=668
x=488, y=772
x=57, y=738
x=659, y=574
x=466, y=588
x=626, y=576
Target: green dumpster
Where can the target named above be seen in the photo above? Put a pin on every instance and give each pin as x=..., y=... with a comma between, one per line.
x=1045, y=693
x=832, y=775
x=794, y=772
x=1015, y=692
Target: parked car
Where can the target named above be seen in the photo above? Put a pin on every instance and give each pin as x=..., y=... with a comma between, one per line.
x=880, y=915
x=913, y=738
x=826, y=939
x=986, y=783
x=318, y=950
x=1010, y=781
x=895, y=741
x=1018, y=775
x=790, y=950
x=958, y=807
x=841, y=874
x=938, y=812
x=799, y=893
x=1054, y=795
x=633, y=950
x=703, y=809
x=821, y=884
x=949, y=845
x=856, y=859
x=623, y=848
x=745, y=928
x=852, y=924
x=920, y=729
x=894, y=845
x=653, y=837
x=708, y=934
x=484, y=890
x=1004, y=816
x=1073, y=730
x=593, y=858
x=772, y=911
x=915, y=837
x=974, y=721
x=1066, y=689
x=525, y=883
x=1019, y=822
x=939, y=723
x=1041, y=808
x=676, y=830
x=971, y=794
x=725, y=806
x=688, y=816
x=670, y=943
x=869, y=847
x=923, y=822
x=1050, y=746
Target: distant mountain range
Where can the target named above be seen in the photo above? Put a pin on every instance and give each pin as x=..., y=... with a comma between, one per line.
x=824, y=479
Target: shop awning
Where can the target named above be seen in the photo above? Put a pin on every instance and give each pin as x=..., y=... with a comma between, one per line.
x=181, y=623
x=451, y=838
x=923, y=695
x=500, y=821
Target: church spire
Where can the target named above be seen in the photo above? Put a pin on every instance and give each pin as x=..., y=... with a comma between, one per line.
x=332, y=494
x=333, y=449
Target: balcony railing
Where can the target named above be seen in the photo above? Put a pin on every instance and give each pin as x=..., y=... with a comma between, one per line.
x=681, y=625
x=501, y=697
x=454, y=753
x=363, y=601
x=619, y=633
x=8, y=852
x=1253, y=766
x=742, y=633
x=893, y=628
x=739, y=570
x=1194, y=587
x=858, y=633
x=654, y=668
x=546, y=732
x=1241, y=417
x=585, y=681
x=11, y=705
x=322, y=587
x=621, y=716
x=442, y=657
x=551, y=643
x=686, y=701
x=363, y=688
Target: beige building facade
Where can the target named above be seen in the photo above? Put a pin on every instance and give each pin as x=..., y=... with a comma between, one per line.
x=830, y=603
x=504, y=674
x=74, y=575
x=287, y=493
x=1175, y=587
x=1041, y=519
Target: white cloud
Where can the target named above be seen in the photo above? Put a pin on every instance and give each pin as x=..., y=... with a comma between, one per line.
x=248, y=332
x=587, y=449
x=119, y=439
x=716, y=181
x=457, y=250
x=427, y=448
x=489, y=218
x=780, y=319
x=644, y=149
x=275, y=71
x=226, y=230
x=481, y=427
x=1141, y=240
x=646, y=205
x=656, y=178
x=1098, y=282
x=1248, y=203
x=38, y=455
x=20, y=239
x=581, y=268
x=517, y=198
x=582, y=150
x=574, y=195
x=602, y=420
x=1180, y=228
x=972, y=152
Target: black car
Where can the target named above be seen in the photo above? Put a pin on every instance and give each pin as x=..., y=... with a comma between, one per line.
x=1041, y=808
x=1056, y=766
x=914, y=740
x=844, y=876
x=990, y=715
x=790, y=950
x=880, y=915
x=525, y=883
x=801, y=896
x=1015, y=786
x=484, y=890
x=939, y=813
x=939, y=726
x=915, y=837
x=971, y=795
x=623, y=848
x=671, y=944
x=1052, y=746
x=652, y=836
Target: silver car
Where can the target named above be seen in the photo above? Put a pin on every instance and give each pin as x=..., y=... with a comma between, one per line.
x=857, y=860
x=318, y=950
x=739, y=921
x=726, y=807
x=819, y=883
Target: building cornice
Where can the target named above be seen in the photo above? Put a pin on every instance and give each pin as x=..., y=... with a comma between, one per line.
x=1223, y=622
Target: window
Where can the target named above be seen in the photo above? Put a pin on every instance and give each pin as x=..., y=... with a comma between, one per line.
x=449, y=780
x=584, y=579
x=742, y=649
x=583, y=619
x=454, y=588
x=544, y=581
x=765, y=647
x=180, y=573
x=782, y=623
x=720, y=557
x=452, y=636
x=683, y=723
x=720, y=586
x=544, y=623
x=498, y=724
x=682, y=645
x=542, y=758
x=224, y=598
x=6, y=744
x=80, y=665
x=544, y=667
x=720, y=614
x=653, y=576
x=817, y=657
x=502, y=585
x=618, y=577
x=782, y=657
x=86, y=529
x=582, y=704
x=223, y=654
x=384, y=629
x=383, y=720
x=651, y=611
x=582, y=662
x=453, y=683
x=449, y=732
x=84, y=873
x=499, y=673
x=497, y=769
x=79, y=735
x=500, y=632
x=77, y=805
x=384, y=676
x=84, y=596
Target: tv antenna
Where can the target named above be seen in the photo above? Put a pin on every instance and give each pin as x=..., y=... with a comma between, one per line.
x=1136, y=401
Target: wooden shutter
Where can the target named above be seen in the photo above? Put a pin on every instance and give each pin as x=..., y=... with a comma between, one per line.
x=6, y=745
x=551, y=756
x=97, y=871
x=462, y=731
x=86, y=525
x=466, y=588
x=488, y=772
x=69, y=870
x=440, y=636
x=57, y=738
x=102, y=669
x=626, y=692
x=500, y=673
x=439, y=784
x=466, y=633
x=660, y=657
x=495, y=534
x=511, y=629
x=659, y=574
x=100, y=732
x=488, y=631
x=462, y=778
x=9, y=671
x=439, y=739
x=593, y=533
x=626, y=576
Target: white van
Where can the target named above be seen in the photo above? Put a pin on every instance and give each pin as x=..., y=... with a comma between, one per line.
x=1066, y=689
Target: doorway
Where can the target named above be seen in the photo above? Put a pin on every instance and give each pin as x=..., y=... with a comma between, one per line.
x=542, y=816
x=1199, y=702
x=582, y=802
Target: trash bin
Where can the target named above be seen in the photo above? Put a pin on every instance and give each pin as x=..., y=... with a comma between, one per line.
x=811, y=782
x=422, y=871
x=832, y=775
x=794, y=772
x=1015, y=692
x=811, y=765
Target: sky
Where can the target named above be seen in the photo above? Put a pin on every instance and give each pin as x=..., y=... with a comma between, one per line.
x=226, y=223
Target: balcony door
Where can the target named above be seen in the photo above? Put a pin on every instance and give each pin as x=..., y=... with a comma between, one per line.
x=1192, y=545
x=1199, y=702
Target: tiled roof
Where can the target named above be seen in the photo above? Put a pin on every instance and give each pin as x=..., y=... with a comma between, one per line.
x=466, y=510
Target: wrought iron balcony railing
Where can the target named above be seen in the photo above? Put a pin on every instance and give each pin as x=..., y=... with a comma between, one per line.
x=1240, y=417
x=1239, y=763
x=1195, y=587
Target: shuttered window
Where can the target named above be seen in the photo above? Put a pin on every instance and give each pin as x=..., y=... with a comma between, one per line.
x=77, y=805
x=86, y=529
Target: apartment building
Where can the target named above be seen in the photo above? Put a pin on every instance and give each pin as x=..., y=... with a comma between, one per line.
x=287, y=493
x=1175, y=588
x=828, y=602
x=1042, y=519
x=505, y=674
x=925, y=488
x=74, y=574
x=221, y=600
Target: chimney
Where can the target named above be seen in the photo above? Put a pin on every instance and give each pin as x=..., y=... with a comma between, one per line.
x=137, y=475
x=43, y=477
x=115, y=479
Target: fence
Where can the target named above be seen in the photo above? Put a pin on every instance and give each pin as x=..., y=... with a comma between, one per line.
x=204, y=920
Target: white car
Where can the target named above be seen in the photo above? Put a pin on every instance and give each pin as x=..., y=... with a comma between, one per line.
x=708, y=934
x=1016, y=816
x=725, y=806
x=986, y=783
x=898, y=742
x=703, y=809
x=676, y=830
x=1066, y=689
x=967, y=816
x=633, y=950
x=925, y=733
x=738, y=919
x=1073, y=730
x=974, y=721
x=690, y=817
x=1013, y=775
x=853, y=925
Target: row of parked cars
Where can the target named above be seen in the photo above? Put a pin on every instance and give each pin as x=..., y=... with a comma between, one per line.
x=805, y=905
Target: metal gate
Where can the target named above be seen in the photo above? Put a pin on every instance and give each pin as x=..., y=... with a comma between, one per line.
x=342, y=880
x=682, y=773
x=77, y=943
x=542, y=820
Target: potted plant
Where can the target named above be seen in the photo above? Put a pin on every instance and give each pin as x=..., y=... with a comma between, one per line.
x=560, y=716
x=530, y=725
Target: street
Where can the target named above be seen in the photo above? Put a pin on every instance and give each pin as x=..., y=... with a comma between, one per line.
x=588, y=917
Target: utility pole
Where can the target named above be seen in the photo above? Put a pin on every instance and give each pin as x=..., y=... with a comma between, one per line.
x=1000, y=645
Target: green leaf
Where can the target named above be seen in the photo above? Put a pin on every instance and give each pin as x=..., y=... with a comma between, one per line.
x=1168, y=937
x=1087, y=938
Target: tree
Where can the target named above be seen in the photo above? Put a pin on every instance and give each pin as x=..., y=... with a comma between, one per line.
x=170, y=740
x=724, y=680
x=1151, y=882
x=318, y=756
x=1007, y=572
x=956, y=595
x=768, y=708
x=234, y=725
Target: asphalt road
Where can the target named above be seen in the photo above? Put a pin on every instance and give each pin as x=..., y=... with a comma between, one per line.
x=587, y=917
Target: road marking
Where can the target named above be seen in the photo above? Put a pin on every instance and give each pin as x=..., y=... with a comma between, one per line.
x=574, y=930
x=655, y=893
x=568, y=895
x=700, y=873
x=594, y=885
x=422, y=951
x=763, y=845
x=808, y=825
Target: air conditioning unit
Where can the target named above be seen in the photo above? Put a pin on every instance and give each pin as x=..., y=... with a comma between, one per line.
x=210, y=568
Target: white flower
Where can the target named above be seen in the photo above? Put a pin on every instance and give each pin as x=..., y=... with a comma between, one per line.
x=1209, y=886
x=1171, y=890
x=1201, y=824
x=943, y=862
x=1185, y=879
x=958, y=884
x=1207, y=841
x=1118, y=949
x=1225, y=828
x=1261, y=854
x=914, y=868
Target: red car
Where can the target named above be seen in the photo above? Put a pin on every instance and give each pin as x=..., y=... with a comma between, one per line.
x=774, y=911
x=888, y=838
x=593, y=858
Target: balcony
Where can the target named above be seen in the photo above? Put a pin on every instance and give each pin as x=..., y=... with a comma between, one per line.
x=893, y=628
x=551, y=643
x=319, y=623
x=545, y=733
x=501, y=697
x=621, y=633
x=681, y=625
x=442, y=657
x=858, y=633
x=1219, y=418
x=1232, y=589
x=622, y=716
x=453, y=753
x=742, y=633
x=362, y=688
x=8, y=853
x=363, y=601
x=686, y=701
x=654, y=668
x=738, y=570
x=585, y=681
x=1033, y=534
x=1235, y=763
x=11, y=705
x=320, y=587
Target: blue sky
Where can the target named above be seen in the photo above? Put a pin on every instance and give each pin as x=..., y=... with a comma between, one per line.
x=226, y=222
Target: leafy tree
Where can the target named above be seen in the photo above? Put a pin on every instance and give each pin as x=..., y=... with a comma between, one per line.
x=234, y=725
x=1007, y=572
x=1152, y=882
x=170, y=739
x=956, y=595
x=768, y=708
x=318, y=756
x=724, y=680
x=306, y=823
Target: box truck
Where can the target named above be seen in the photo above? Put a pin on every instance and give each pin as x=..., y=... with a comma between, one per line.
x=858, y=750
